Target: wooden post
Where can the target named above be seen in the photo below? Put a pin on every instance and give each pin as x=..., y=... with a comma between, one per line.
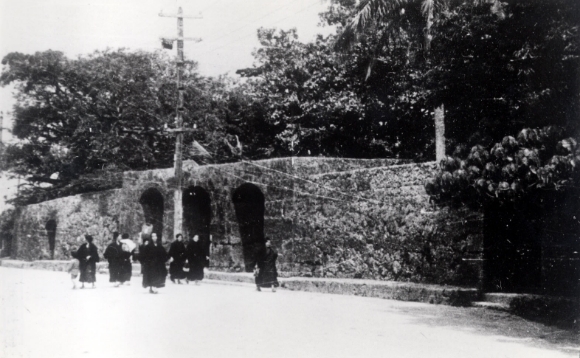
x=1, y=127
x=439, y=133
x=178, y=158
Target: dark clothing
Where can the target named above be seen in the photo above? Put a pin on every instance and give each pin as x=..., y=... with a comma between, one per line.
x=196, y=258
x=267, y=274
x=178, y=253
x=113, y=255
x=88, y=266
x=126, y=268
x=153, y=258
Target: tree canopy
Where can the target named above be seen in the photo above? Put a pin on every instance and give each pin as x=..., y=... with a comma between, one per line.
x=82, y=120
x=310, y=97
x=498, y=67
x=499, y=74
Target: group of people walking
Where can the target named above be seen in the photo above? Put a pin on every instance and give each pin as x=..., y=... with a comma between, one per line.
x=193, y=254
x=117, y=253
x=153, y=258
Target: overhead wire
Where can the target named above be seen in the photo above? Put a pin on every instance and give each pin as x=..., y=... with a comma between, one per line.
x=227, y=33
x=283, y=188
x=246, y=36
x=312, y=182
x=250, y=23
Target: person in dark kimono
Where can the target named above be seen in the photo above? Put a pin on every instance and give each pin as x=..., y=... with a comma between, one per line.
x=153, y=256
x=196, y=258
x=267, y=275
x=177, y=256
x=126, y=253
x=88, y=257
x=113, y=254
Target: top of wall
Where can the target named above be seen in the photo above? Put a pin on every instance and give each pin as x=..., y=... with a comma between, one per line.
x=298, y=165
x=68, y=200
x=320, y=165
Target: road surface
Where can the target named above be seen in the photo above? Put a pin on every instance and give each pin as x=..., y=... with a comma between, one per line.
x=41, y=316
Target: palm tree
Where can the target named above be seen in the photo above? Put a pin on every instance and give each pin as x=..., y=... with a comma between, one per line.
x=382, y=11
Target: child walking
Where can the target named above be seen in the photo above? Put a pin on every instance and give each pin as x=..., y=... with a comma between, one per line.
x=73, y=269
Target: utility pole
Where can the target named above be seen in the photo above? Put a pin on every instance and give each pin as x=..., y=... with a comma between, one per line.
x=1, y=127
x=178, y=161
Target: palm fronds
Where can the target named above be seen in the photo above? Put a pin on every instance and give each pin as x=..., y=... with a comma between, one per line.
x=369, y=12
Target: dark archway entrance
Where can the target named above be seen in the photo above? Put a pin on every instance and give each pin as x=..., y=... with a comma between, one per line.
x=197, y=215
x=153, y=207
x=51, y=233
x=249, y=206
x=512, y=250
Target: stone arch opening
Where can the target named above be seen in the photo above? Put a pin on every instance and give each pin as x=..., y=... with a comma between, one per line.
x=248, y=202
x=51, y=233
x=512, y=249
x=196, y=203
x=152, y=203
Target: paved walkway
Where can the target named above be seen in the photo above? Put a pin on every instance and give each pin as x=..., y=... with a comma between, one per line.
x=41, y=316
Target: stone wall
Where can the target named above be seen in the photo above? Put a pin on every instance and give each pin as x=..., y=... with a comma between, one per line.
x=96, y=214
x=327, y=217
x=377, y=223
x=275, y=178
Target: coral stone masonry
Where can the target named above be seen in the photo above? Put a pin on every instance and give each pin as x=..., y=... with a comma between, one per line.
x=327, y=217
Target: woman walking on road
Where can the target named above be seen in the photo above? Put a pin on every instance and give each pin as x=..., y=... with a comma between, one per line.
x=267, y=275
x=153, y=256
x=113, y=254
x=177, y=253
x=88, y=257
x=196, y=257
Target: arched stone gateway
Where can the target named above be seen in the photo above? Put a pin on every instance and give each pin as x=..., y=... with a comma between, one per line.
x=51, y=233
x=197, y=215
x=153, y=208
x=249, y=206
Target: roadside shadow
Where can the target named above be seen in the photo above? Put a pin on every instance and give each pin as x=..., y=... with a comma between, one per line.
x=494, y=322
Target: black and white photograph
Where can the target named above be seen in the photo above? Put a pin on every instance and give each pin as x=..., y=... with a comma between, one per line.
x=289, y=178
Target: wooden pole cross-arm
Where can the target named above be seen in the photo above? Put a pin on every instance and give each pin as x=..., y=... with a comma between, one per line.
x=199, y=16
x=194, y=39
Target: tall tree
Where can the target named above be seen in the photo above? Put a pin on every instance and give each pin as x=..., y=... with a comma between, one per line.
x=389, y=13
x=479, y=57
x=500, y=74
x=311, y=98
x=105, y=112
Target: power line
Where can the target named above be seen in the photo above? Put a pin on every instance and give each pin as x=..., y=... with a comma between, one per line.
x=246, y=36
x=251, y=23
x=313, y=182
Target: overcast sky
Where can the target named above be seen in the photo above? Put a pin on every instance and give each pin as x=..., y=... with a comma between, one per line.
x=228, y=29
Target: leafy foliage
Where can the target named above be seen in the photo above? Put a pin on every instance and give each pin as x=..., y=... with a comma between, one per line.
x=538, y=159
x=499, y=74
x=319, y=102
x=310, y=97
x=497, y=66
x=7, y=218
x=104, y=113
